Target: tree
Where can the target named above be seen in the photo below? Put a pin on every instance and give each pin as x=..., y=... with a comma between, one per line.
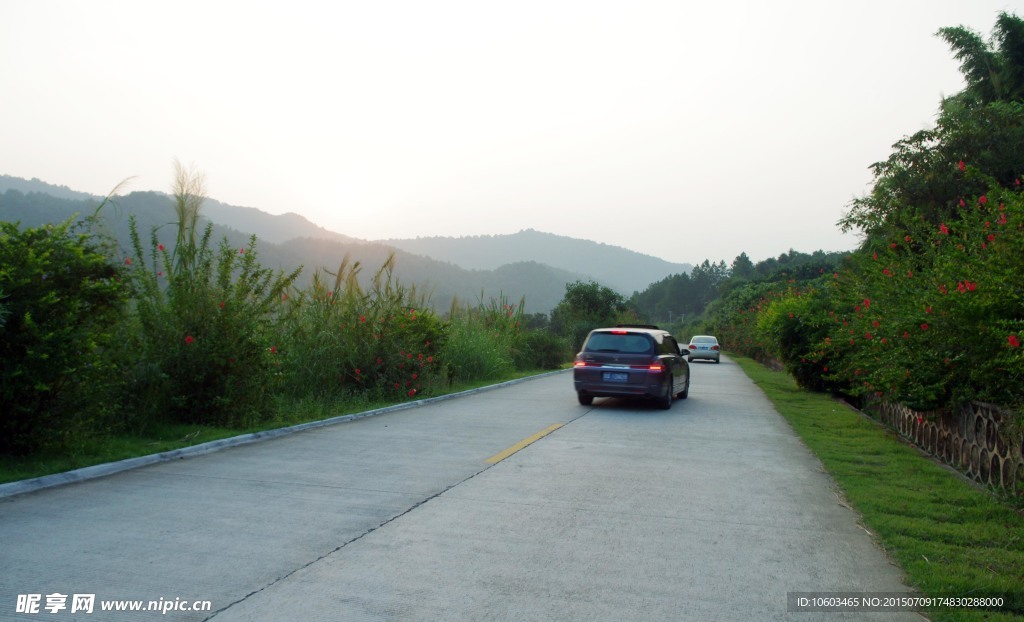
x=742, y=267
x=586, y=306
x=982, y=126
x=994, y=72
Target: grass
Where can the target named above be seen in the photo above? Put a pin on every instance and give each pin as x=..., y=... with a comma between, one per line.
x=168, y=437
x=951, y=537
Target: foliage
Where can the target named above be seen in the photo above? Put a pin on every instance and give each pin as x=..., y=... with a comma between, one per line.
x=483, y=342
x=342, y=340
x=63, y=294
x=587, y=306
x=983, y=125
x=203, y=326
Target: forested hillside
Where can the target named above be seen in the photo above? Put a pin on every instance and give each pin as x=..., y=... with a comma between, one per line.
x=542, y=286
x=621, y=269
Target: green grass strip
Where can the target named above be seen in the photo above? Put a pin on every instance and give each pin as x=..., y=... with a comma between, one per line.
x=950, y=537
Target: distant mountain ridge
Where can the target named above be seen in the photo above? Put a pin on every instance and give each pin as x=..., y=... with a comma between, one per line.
x=529, y=264
x=621, y=269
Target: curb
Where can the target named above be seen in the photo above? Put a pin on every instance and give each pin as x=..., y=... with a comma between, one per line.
x=11, y=489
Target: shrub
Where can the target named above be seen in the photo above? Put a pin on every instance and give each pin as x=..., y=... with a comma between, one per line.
x=63, y=295
x=543, y=349
x=204, y=323
x=341, y=340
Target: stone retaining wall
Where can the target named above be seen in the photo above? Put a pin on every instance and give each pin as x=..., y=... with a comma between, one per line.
x=976, y=440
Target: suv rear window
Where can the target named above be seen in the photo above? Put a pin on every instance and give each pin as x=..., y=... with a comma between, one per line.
x=629, y=343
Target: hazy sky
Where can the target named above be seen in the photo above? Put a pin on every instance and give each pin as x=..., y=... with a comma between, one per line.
x=731, y=126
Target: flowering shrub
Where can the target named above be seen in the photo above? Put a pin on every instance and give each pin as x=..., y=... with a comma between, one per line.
x=343, y=340
x=933, y=312
x=201, y=335
x=926, y=315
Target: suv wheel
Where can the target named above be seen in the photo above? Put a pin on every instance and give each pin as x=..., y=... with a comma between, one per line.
x=585, y=400
x=666, y=402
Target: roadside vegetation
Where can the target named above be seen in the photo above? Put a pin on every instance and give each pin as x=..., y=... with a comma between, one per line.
x=929, y=310
x=951, y=537
x=110, y=353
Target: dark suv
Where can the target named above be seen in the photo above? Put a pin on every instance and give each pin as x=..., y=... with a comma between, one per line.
x=631, y=361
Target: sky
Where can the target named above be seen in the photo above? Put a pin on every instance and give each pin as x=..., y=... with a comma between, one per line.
x=683, y=130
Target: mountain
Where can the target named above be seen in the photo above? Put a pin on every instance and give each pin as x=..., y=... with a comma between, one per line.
x=621, y=269
x=529, y=264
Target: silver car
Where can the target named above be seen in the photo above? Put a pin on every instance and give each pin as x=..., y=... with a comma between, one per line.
x=704, y=347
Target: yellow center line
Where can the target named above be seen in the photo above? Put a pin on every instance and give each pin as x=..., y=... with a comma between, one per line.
x=523, y=443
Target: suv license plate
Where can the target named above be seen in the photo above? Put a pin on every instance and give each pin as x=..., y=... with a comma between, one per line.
x=615, y=376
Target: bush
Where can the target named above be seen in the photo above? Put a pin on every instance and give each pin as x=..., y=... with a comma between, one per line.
x=202, y=336
x=543, y=349
x=341, y=341
x=484, y=342
x=63, y=296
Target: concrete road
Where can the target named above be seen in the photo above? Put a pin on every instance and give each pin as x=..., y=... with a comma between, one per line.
x=712, y=510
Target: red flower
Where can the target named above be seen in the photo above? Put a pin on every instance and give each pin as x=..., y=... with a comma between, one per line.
x=983, y=199
x=273, y=349
x=875, y=323
x=127, y=261
x=1014, y=342
x=412, y=392
x=188, y=340
x=867, y=302
x=1002, y=219
x=924, y=326
x=906, y=238
x=906, y=335
x=991, y=237
x=961, y=166
x=159, y=247
x=963, y=203
x=867, y=336
x=943, y=229
x=241, y=251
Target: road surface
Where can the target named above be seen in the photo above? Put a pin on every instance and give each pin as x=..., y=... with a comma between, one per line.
x=712, y=510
